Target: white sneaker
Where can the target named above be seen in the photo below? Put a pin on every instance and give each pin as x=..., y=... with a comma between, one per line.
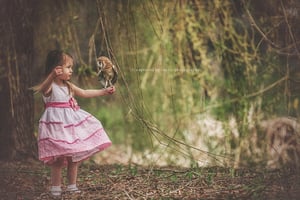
x=55, y=191
x=73, y=189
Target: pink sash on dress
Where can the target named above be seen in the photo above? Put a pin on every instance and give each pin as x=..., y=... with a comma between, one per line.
x=71, y=104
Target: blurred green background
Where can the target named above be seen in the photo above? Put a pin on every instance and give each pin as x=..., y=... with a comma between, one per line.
x=196, y=78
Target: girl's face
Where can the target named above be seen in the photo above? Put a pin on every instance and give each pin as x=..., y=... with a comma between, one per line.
x=67, y=68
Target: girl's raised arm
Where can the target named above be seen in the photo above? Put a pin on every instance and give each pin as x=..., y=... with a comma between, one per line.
x=45, y=86
x=92, y=92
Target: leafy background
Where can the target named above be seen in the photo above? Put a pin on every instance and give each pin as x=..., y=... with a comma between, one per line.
x=197, y=79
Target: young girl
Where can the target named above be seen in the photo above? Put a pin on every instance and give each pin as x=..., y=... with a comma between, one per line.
x=67, y=134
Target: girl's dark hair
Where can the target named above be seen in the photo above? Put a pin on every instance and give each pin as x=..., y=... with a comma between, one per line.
x=54, y=58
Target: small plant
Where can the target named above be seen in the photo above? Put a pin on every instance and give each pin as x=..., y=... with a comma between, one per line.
x=133, y=170
x=174, y=178
x=157, y=173
x=118, y=169
x=210, y=178
x=190, y=175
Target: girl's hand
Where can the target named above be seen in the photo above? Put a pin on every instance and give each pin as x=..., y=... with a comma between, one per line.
x=110, y=90
x=58, y=70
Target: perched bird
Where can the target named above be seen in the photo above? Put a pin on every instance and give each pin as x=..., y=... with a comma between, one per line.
x=107, y=73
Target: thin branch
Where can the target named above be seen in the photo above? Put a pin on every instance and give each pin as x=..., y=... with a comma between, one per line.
x=253, y=23
x=289, y=27
x=246, y=96
x=155, y=129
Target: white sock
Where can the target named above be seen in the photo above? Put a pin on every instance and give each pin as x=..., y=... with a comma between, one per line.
x=55, y=190
x=72, y=187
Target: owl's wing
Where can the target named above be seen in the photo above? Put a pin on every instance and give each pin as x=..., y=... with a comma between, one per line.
x=115, y=77
x=101, y=79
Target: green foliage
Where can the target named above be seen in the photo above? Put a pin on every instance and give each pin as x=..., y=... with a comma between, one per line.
x=118, y=169
x=133, y=170
x=180, y=59
x=186, y=58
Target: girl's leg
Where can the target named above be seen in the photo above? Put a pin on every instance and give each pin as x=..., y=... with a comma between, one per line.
x=56, y=170
x=72, y=176
x=72, y=171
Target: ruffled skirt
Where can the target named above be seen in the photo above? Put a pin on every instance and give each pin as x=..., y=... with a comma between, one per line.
x=64, y=132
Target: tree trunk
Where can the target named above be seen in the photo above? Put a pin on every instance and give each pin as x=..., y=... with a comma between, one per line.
x=17, y=139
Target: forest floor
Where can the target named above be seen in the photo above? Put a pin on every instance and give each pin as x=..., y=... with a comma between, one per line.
x=30, y=181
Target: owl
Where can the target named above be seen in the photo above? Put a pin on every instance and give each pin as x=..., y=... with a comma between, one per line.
x=107, y=73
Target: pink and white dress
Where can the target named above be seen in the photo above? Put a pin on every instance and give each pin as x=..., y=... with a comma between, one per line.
x=66, y=130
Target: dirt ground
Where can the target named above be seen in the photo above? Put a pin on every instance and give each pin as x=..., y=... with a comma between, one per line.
x=30, y=181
